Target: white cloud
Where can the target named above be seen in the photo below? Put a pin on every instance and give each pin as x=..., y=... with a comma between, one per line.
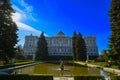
x=27, y=27
x=16, y=17
x=23, y=15
x=17, y=9
x=27, y=9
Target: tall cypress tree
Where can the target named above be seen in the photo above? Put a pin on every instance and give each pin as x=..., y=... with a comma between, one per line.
x=8, y=31
x=73, y=44
x=115, y=30
x=42, y=49
x=81, y=53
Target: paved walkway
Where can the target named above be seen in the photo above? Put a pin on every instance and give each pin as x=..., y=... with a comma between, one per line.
x=63, y=78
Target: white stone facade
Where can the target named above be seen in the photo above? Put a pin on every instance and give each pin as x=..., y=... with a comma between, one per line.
x=59, y=45
x=30, y=45
x=92, y=48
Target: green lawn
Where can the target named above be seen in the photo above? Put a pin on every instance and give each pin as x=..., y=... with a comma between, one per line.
x=105, y=64
x=99, y=63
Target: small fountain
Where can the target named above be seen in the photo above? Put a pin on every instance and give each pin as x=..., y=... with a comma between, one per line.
x=61, y=65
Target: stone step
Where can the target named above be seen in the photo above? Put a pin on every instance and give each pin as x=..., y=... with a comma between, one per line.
x=63, y=78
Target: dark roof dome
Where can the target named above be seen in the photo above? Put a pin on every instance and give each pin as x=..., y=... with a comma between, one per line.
x=60, y=33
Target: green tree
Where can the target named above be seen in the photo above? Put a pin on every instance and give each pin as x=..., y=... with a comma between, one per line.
x=8, y=31
x=81, y=53
x=103, y=56
x=42, y=49
x=73, y=45
x=20, y=53
x=115, y=30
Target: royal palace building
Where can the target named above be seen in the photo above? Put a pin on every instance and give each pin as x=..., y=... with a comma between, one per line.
x=59, y=45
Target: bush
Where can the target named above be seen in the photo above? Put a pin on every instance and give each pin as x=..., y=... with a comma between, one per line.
x=29, y=57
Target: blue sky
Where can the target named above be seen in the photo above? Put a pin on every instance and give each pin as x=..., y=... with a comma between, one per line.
x=90, y=17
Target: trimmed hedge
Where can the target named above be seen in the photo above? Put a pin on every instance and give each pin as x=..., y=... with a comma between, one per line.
x=88, y=77
x=26, y=77
x=50, y=77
